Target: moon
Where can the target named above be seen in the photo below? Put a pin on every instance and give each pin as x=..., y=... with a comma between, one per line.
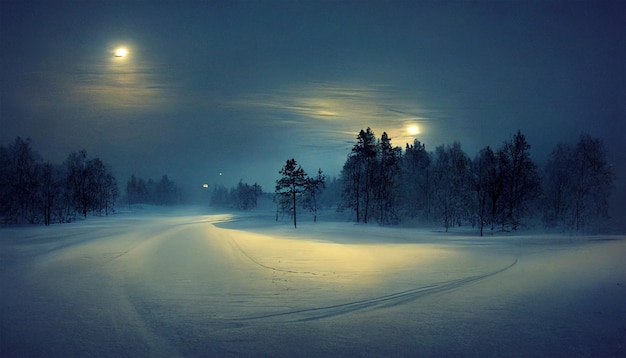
x=413, y=129
x=121, y=52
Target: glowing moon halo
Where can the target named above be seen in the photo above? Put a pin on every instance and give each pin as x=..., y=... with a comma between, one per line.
x=413, y=129
x=121, y=52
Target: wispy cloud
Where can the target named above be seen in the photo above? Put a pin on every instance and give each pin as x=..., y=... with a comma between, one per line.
x=340, y=110
x=97, y=87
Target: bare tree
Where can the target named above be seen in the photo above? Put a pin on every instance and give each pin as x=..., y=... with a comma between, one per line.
x=20, y=167
x=78, y=181
x=578, y=183
x=522, y=184
x=452, y=184
x=488, y=184
x=559, y=186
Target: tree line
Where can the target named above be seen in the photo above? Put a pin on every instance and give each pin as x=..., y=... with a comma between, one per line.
x=242, y=197
x=499, y=189
x=33, y=190
x=162, y=192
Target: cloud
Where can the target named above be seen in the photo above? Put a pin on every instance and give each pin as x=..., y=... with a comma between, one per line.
x=338, y=110
x=96, y=87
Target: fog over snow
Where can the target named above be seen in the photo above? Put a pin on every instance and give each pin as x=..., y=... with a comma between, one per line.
x=153, y=282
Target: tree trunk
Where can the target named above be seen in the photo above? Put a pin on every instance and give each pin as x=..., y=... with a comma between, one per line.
x=294, y=209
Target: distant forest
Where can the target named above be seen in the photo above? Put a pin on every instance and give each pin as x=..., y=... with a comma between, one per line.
x=500, y=189
x=36, y=191
x=161, y=192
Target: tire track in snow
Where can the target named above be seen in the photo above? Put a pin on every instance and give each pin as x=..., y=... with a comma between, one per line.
x=390, y=300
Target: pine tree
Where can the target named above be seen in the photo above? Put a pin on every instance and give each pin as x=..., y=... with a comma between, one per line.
x=386, y=180
x=313, y=189
x=290, y=187
x=416, y=188
x=359, y=173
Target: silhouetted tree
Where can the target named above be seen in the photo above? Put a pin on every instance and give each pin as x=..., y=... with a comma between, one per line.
x=416, y=183
x=351, y=182
x=364, y=152
x=89, y=185
x=220, y=197
x=488, y=183
x=594, y=182
x=166, y=192
x=358, y=175
x=313, y=189
x=522, y=184
x=51, y=190
x=291, y=186
x=559, y=186
x=386, y=179
x=163, y=192
x=246, y=196
x=578, y=185
x=452, y=184
x=20, y=166
x=78, y=181
x=331, y=195
x=33, y=190
x=132, y=195
x=102, y=185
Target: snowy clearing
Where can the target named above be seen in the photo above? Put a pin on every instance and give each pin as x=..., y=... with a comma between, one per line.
x=186, y=283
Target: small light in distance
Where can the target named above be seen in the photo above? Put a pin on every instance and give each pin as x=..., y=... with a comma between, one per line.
x=205, y=185
x=220, y=173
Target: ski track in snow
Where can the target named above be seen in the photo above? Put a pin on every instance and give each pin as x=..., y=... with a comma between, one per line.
x=389, y=300
x=244, y=253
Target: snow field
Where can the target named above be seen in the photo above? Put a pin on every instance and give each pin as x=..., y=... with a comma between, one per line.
x=190, y=284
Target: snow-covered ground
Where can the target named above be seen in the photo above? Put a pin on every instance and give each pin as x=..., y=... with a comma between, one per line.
x=185, y=283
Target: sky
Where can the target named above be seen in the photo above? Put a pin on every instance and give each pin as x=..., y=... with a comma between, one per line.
x=239, y=87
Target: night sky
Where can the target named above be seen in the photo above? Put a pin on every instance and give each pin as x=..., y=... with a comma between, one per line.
x=240, y=87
